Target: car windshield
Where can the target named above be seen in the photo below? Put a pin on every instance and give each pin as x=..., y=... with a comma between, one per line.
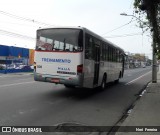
x=59, y=40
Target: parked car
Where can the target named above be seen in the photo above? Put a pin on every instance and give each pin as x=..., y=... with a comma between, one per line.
x=19, y=66
x=32, y=67
x=2, y=66
x=26, y=67
x=144, y=66
x=11, y=66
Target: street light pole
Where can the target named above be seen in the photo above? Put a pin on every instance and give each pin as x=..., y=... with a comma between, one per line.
x=124, y=14
x=154, y=65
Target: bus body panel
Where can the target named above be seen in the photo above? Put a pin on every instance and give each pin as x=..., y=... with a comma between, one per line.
x=109, y=68
x=88, y=73
x=58, y=67
x=104, y=69
x=112, y=70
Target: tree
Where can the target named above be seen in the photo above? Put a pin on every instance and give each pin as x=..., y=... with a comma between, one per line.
x=150, y=9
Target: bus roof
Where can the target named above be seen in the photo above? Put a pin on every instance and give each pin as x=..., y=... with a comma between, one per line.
x=87, y=31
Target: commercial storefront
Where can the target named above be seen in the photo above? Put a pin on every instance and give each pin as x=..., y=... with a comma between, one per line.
x=15, y=59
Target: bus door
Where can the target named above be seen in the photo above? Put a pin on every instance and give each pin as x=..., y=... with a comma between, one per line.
x=96, y=65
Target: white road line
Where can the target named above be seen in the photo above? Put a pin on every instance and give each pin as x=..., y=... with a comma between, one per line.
x=8, y=75
x=13, y=84
x=3, y=76
x=137, y=78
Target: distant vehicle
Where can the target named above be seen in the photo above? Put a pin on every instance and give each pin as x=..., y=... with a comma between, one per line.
x=20, y=66
x=75, y=56
x=32, y=66
x=2, y=66
x=26, y=67
x=11, y=66
x=144, y=66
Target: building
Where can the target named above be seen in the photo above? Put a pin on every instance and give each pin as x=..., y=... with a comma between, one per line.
x=14, y=57
x=136, y=60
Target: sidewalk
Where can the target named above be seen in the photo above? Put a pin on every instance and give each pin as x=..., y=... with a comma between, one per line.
x=145, y=113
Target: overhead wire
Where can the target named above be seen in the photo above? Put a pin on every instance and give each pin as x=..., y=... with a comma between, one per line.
x=24, y=19
x=119, y=27
x=19, y=24
x=125, y=35
x=17, y=35
x=8, y=33
x=34, y=21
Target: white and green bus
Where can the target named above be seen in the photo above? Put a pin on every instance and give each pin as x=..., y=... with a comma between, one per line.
x=75, y=56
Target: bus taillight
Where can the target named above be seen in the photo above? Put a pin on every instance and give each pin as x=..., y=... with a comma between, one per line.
x=80, y=68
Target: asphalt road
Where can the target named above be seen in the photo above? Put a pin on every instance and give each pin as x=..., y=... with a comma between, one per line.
x=26, y=102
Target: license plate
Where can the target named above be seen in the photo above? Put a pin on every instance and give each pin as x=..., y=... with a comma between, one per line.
x=55, y=80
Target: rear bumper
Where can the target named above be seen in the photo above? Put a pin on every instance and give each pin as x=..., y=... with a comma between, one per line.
x=68, y=80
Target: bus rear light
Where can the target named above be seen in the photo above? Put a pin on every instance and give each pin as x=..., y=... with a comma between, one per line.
x=80, y=68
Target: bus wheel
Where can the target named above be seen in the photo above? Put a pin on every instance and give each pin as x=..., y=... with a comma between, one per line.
x=117, y=81
x=69, y=86
x=103, y=84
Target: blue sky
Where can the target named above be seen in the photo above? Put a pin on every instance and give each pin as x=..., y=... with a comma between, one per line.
x=100, y=16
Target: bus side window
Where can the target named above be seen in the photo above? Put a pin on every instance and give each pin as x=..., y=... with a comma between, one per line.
x=121, y=57
x=109, y=53
x=118, y=56
x=103, y=52
x=114, y=55
x=106, y=50
x=88, y=47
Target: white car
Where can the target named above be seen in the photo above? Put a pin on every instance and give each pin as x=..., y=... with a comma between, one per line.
x=144, y=66
x=32, y=67
x=11, y=66
x=2, y=66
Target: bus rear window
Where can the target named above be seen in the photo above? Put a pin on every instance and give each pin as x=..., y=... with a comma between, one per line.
x=69, y=40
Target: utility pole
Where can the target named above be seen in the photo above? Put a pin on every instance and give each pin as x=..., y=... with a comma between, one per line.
x=152, y=14
x=154, y=64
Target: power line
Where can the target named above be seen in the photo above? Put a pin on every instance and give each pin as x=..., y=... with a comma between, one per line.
x=119, y=27
x=19, y=24
x=25, y=19
x=12, y=34
x=126, y=35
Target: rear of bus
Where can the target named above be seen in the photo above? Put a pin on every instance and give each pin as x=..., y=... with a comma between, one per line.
x=59, y=56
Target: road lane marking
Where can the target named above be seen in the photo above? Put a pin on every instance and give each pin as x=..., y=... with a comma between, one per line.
x=13, y=84
x=137, y=78
x=12, y=75
x=23, y=79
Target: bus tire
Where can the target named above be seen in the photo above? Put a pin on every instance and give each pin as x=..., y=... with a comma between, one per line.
x=117, y=81
x=103, y=84
x=69, y=86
